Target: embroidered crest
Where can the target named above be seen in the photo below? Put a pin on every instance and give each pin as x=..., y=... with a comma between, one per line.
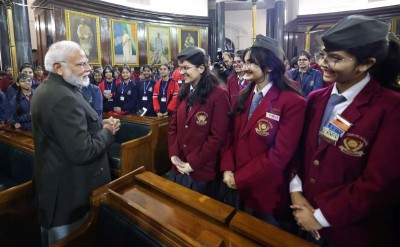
x=263, y=127
x=129, y=92
x=353, y=145
x=201, y=118
x=150, y=89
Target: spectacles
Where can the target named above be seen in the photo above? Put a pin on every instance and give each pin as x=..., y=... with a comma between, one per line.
x=185, y=67
x=332, y=61
x=302, y=60
x=249, y=65
x=25, y=81
x=79, y=65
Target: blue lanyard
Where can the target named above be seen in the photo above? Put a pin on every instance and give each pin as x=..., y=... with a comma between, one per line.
x=146, y=87
x=124, y=86
x=164, y=89
x=110, y=85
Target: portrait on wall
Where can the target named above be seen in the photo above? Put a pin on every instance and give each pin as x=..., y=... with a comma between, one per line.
x=124, y=43
x=84, y=29
x=158, y=49
x=188, y=37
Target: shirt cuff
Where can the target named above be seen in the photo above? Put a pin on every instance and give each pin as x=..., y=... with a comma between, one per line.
x=295, y=185
x=321, y=218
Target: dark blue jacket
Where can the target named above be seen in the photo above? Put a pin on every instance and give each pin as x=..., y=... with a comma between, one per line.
x=94, y=96
x=125, y=96
x=4, y=108
x=146, y=88
x=23, y=117
x=312, y=80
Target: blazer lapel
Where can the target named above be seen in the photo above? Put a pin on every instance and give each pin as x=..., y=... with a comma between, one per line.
x=352, y=113
x=192, y=111
x=262, y=108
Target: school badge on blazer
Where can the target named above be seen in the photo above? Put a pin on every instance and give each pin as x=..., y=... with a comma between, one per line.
x=353, y=145
x=201, y=118
x=263, y=127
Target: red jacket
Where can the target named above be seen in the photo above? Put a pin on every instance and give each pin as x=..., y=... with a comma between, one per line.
x=172, y=93
x=357, y=182
x=262, y=148
x=198, y=137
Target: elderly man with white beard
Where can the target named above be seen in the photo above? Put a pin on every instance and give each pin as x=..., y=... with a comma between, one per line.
x=70, y=143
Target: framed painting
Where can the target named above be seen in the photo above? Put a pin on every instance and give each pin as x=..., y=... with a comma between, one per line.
x=124, y=43
x=188, y=37
x=84, y=29
x=158, y=48
x=313, y=37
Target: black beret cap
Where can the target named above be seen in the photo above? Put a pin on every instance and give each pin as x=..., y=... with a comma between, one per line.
x=189, y=52
x=270, y=44
x=354, y=31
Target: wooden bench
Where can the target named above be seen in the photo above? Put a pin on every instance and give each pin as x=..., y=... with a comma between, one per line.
x=160, y=162
x=144, y=207
x=18, y=225
x=131, y=149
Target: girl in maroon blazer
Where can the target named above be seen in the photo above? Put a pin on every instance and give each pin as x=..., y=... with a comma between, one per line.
x=268, y=120
x=199, y=125
x=351, y=173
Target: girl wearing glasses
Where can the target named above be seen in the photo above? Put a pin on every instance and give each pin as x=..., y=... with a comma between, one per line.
x=268, y=120
x=347, y=190
x=165, y=92
x=21, y=103
x=198, y=126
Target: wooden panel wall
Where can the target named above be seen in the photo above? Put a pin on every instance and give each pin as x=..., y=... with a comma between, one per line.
x=52, y=27
x=301, y=24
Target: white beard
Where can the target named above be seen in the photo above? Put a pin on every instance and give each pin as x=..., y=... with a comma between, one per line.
x=75, y=80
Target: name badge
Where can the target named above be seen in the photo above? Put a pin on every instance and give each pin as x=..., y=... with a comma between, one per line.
x=329, y=135
x=273, y=116
x=163, y=99
x=144, y=98
x=122, y=98
x=180, y=81
x=331, y=126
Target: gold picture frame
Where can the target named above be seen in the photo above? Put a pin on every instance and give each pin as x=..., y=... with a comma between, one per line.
x=188, y=37
x=158, y=44
x=84, y=29
x=395, y=27
x=124, y=43
x=313, y=37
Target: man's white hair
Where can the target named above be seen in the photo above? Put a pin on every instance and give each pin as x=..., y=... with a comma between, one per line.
x=58, y=52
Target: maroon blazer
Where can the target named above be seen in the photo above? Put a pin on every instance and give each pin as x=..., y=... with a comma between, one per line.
x=198, y=137
x=356, y=182
x=233, y=87
x=262, y=147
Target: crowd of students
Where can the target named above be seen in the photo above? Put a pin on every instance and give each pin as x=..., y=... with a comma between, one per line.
x=298, y=147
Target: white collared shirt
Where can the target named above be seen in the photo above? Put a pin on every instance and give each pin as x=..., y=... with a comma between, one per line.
x=265, y=90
